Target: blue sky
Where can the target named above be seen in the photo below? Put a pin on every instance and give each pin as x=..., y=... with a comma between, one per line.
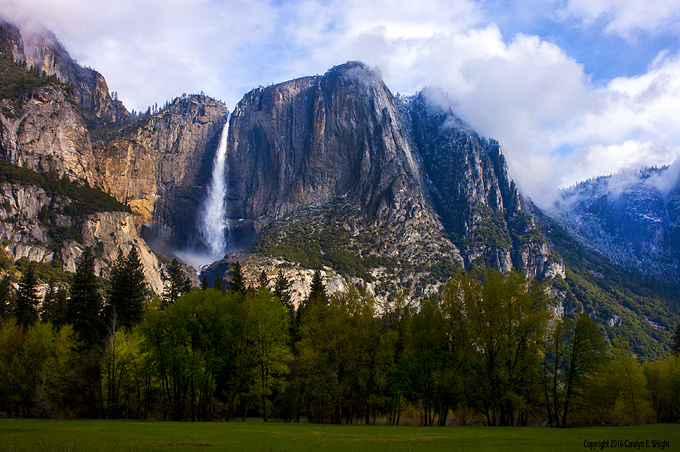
x=572, y=89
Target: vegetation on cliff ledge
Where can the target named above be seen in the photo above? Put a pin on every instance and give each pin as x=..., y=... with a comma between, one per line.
x=16, y=80
x=85, y=199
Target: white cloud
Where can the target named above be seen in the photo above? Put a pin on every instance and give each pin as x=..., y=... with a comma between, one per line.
x=626, y=18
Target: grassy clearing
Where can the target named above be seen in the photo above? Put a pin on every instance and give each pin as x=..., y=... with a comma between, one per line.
x=44, y=435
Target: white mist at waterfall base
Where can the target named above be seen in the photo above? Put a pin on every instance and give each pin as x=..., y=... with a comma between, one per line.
x=213, y=226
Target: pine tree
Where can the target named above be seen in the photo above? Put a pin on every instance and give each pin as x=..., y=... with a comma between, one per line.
x=262, y=280
x=317, y=291
x=282, y=291
x=85, y=305
x=177, y=283
x=27, y=299
x=204, y=282
x=219, y=283
x=49, y=301
x=676, y=340
x=128, y=290
x=60, y=311
x=5, y=297
x=238, y=282
x=317, y=295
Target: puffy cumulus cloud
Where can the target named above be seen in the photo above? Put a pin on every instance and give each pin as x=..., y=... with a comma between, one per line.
x=152, y=51
x=556, y=125
x=631, y=123
x=626, y=18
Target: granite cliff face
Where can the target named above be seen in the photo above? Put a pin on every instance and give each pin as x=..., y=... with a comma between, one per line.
x=311, y=140
x=160, y=165
x=30, y=234
x=333, y=154
x=43, y=130
x=631, y=218
x=335, y=171
x=470, y=188
x=43, y=51
x=343, y=139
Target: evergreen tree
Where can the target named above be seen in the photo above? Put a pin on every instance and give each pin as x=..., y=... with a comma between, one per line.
x=317, y=291
x=262, y=280
x=204, y=282
x=26, y=301
x=128, y=291
x=5, y=297
x=676, y=340
x=60, y=309
x=177, y=283
x=317, y=295
x=85, y=305
x=49, y=301
x=219, y=283
x=281, y=290
x=238, y=282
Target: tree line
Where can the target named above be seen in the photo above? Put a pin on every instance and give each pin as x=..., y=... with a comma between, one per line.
x=488, y=348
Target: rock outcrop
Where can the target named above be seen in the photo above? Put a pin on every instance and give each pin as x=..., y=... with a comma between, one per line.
x=43, y=51
x=160, y=165
x=11, y=42
x=631, y=218
x=26, y=234
x=311, y=140
x=392, y=178
x=470, y=188
x=43, y=130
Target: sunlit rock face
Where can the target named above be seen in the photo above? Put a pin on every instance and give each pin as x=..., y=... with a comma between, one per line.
x=45, y=131
x=161, y=164
x=26, y=234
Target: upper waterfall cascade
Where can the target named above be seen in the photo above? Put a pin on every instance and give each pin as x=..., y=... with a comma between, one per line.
x=213, y=225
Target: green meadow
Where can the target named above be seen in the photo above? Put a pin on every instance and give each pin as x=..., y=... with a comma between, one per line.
x=98, y=435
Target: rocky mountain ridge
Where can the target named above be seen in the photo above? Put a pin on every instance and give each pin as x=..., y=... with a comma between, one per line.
x=631, y=218
x=160, y=165
x=334, y=171
x=43, y=51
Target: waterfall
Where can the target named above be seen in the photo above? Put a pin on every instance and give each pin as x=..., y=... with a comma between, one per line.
x=213, y=225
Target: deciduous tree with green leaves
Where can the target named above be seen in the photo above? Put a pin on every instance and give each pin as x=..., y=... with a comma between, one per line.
x=268, y=328
x=574, y=351
x=508, y=323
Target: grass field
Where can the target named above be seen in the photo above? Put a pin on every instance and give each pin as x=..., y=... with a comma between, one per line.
x=94, y=435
